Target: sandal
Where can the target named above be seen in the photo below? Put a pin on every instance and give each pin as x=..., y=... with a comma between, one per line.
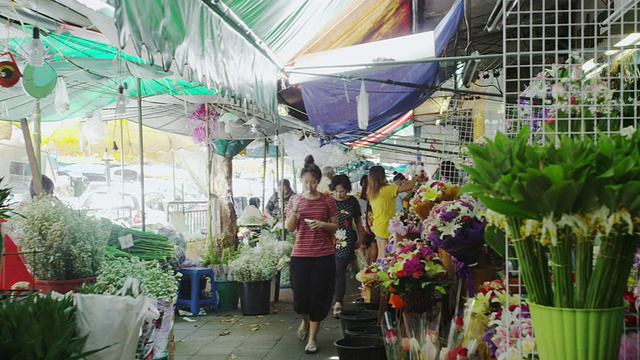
x=337, y=310
x=302, y=333
x=310, y=349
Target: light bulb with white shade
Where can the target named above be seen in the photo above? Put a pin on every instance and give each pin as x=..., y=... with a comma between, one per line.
x=121, y=101
x=36, y=49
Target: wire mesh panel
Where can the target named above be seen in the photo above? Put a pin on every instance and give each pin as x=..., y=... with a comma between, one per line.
x=571, y=67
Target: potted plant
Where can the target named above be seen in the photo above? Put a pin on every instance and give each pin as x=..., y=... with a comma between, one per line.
x=571, y=211
x=226, y=285
x=64, y=247
x=254, y=269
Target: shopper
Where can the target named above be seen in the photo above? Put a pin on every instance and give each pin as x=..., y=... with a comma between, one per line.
x=252, y=215
x=369, y=239
x=314, y=217
x=325, y=183
x=382, y=197
x=349, y=220
x=399, y=179
x=273, y=205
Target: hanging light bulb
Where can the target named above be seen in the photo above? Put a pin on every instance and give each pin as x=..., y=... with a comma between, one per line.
x=228, y=127
x=36, y=49
x=121, y=104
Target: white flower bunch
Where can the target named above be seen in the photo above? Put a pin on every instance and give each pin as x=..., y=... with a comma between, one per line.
x=156, y=282
x=260, y=263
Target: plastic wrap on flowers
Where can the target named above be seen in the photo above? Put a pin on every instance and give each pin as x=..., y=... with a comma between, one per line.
x=454, y=227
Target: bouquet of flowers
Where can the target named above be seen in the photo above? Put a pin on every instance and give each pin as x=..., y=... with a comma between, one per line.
x=510, y=333
x=455, y=227
x=412, y=271
x=430, y=193
x=405, y=222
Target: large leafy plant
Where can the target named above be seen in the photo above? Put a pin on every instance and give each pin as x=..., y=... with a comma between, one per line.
x=40, y=327
x=60, y=243
x=564, y=200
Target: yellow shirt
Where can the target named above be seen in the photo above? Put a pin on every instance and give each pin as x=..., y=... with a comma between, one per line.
x=383, y=207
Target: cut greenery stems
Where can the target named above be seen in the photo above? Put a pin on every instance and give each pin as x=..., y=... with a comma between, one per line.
x=557, y=204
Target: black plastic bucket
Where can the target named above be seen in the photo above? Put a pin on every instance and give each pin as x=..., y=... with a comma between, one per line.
x=353, y=318
x=364, y=331
x=254, y=297
x=360, y=348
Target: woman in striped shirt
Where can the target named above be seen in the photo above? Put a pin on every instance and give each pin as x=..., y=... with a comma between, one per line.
x=314, y=217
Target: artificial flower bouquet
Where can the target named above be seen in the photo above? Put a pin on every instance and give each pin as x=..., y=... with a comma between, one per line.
x=406, y=222
x=430, y=193
x=455, y=227
x=563, y=98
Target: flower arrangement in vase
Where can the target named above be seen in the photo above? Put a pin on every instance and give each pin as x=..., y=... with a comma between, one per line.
x=568, y=210
x=430, y=193
x=455, y=227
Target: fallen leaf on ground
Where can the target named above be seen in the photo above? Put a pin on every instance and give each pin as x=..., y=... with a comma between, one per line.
x=224, y=333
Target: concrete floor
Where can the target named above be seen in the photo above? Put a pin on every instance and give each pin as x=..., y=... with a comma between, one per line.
x=229, y=335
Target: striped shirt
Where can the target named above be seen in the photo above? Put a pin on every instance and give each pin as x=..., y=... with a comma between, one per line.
x=313, y=243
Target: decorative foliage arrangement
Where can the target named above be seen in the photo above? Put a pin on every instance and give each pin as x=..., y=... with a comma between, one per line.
x=580, y=201
x=68, y=244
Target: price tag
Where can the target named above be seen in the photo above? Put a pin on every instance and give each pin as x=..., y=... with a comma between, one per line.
x=126, y=241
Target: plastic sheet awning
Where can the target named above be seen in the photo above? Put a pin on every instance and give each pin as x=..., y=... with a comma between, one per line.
x=332, y=106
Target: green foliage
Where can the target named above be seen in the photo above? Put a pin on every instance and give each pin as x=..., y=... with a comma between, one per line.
x=68, y=243
x=40, y=327
x=5, y=206
x=215, y=254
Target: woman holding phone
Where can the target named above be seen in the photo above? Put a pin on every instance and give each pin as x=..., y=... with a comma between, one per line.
x=314, y=217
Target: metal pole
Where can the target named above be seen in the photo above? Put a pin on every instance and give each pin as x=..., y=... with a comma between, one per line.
x=37, y=137
x=122, y=155
x=264, y=173
x=281, y=151
x=209, y=165
x=141, y=150
x=173, y=171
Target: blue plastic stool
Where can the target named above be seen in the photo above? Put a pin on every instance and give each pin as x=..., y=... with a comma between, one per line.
x=195, y=302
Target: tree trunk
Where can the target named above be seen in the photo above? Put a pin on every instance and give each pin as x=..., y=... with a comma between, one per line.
x=221, y=178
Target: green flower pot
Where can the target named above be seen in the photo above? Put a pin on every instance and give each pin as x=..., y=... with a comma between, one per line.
x=585, y=334
x=227, y=295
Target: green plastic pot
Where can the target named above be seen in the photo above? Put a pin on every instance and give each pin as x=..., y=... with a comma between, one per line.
x=585, y=334
x=227, y=295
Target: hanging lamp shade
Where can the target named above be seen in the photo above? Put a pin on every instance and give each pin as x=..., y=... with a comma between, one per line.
x=62, y=96
x=39, y=82
x=363, y=107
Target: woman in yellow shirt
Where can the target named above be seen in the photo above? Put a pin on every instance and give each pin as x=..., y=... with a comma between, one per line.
x=382, y=198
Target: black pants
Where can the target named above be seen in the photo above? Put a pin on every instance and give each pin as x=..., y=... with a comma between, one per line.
x=313, y=283
x=341, y=278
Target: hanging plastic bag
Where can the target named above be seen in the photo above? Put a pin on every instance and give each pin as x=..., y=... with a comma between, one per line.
x=94, y=129
x=113, y=321
x=62, y=96
x=363, y=107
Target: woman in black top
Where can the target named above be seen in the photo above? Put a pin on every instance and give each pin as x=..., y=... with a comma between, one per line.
x=350, y=221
